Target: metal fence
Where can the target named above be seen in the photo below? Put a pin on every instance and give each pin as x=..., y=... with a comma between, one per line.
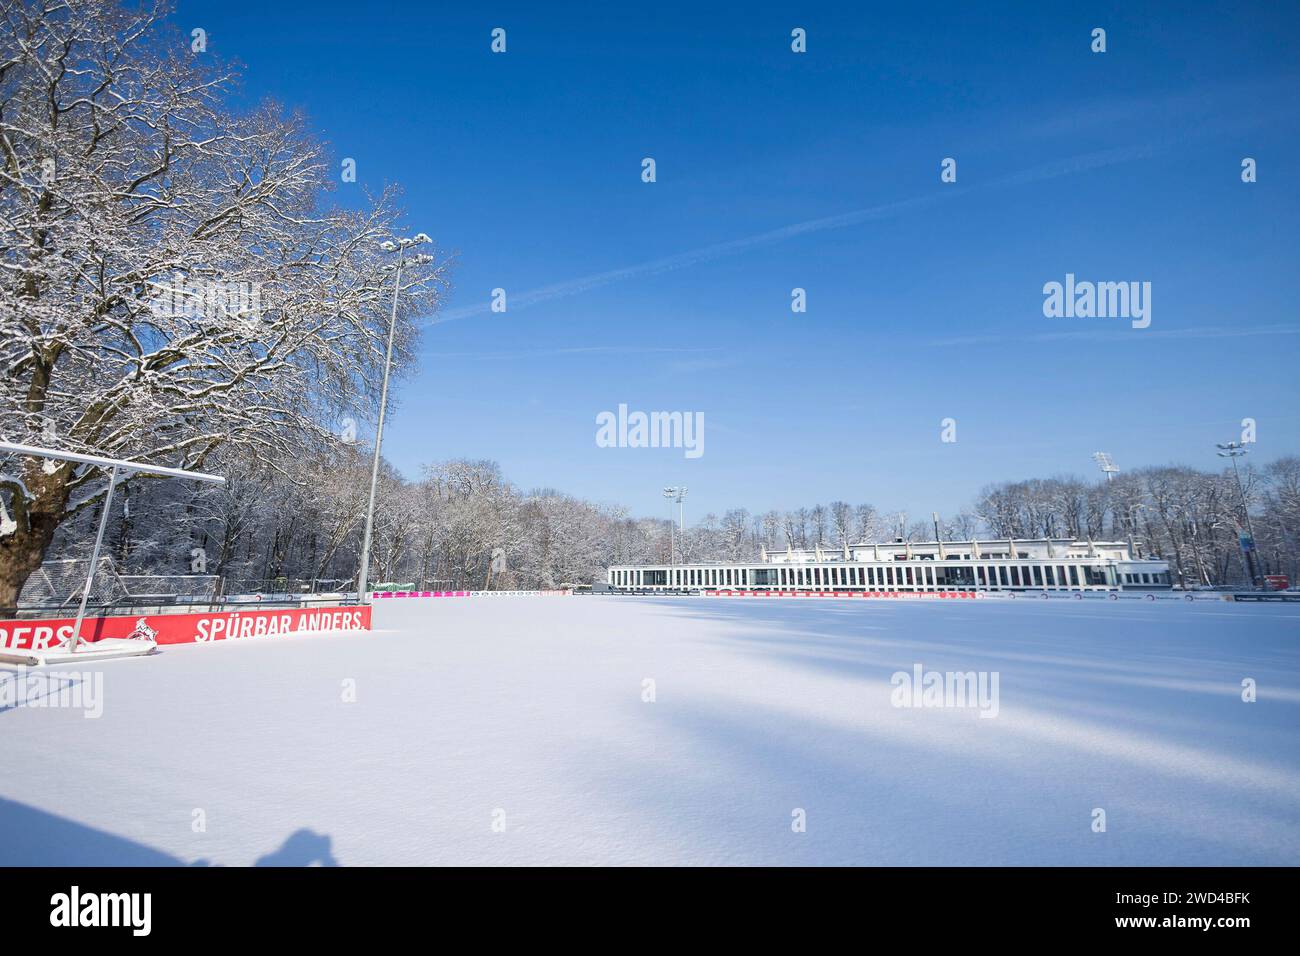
x=58, y=584
x=55, y=588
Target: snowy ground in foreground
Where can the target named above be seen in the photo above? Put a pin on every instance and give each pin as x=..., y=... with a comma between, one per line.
x=533, y=705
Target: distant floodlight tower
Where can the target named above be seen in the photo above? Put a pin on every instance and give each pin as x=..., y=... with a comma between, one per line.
x=1235, y=450
x=1105, y=463
x=677, y=494
x=669, y=495
x=399, y=246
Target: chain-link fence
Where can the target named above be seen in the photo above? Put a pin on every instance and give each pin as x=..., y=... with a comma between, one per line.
x=57, y=586
x=285, y=589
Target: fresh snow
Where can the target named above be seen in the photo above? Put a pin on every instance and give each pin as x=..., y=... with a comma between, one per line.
x=529, y=711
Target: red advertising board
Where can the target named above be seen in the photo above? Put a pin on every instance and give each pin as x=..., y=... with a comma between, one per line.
x=37, y=635
x=936, y=595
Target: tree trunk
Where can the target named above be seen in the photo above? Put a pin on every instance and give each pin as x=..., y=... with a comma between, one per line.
x=22, y=552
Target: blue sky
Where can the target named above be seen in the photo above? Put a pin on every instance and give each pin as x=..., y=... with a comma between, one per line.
x=924, y=298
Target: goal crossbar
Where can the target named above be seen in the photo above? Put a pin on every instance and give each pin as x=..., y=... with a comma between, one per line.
x=114, y=466
x=121, y=464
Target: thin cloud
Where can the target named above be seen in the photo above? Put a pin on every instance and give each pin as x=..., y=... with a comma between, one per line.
x=1115, y=334
x=692, y=257
x=579, y=350
x=1222, y=101
x=694, y=366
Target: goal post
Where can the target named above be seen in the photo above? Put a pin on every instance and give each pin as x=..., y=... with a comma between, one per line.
x=117, y=467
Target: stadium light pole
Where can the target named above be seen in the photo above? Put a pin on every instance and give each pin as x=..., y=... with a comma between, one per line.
x=399, y=246
x=1104, y=462
x=1234, y=450
x=669, y=494
x=681, y=521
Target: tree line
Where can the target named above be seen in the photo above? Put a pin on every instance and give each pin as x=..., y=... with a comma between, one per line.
x=463, y=525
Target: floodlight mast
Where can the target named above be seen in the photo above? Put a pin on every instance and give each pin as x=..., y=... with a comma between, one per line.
x=399, y=246
x=1105, y=463
x=669, y=494
x=1235, y=450
x=114, y=466
x=677, y=494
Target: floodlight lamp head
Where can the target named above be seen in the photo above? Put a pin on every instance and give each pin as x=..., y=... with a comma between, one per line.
x=388, y=245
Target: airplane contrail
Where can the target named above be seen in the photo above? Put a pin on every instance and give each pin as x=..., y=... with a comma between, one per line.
x=571, y=287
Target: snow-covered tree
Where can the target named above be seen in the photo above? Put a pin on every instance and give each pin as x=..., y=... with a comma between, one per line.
x=172, y=281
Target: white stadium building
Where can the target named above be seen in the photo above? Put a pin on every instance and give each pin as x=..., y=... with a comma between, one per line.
x=1038, y=564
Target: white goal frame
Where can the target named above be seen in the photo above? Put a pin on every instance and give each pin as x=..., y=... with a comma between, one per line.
x=116, y=467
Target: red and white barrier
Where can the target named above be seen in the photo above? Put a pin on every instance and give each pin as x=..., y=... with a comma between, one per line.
x=849, y=594
x=416, y=594
x=41, y=635
x=397, y=594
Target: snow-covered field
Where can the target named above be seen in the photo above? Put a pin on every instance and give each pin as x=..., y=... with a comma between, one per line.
x=517, y=730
